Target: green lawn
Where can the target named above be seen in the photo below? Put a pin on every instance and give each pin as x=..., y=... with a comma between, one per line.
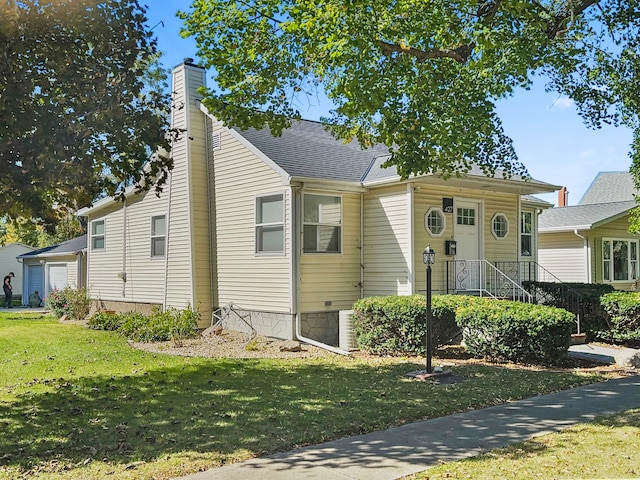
x=606, y=448
x=77, y=403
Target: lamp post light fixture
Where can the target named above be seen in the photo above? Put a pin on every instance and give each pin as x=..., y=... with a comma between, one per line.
x=429, y=258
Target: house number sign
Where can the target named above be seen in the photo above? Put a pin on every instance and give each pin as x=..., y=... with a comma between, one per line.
x=447, y=205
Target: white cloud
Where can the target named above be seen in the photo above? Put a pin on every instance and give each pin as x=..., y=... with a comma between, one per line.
x=562, y=103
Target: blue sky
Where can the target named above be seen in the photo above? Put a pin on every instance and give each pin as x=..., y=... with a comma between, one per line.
x=548, y=134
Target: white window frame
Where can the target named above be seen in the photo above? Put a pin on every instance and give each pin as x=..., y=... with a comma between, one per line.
x=493, y=226
x=442, y=218
x=320, y=223
x=525, y=234
x=156, y=235
x=95, y=236
x=261, y=226
x=632, y=263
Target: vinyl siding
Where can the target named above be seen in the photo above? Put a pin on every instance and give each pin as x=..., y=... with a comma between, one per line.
x=617, y=229
x=492, y=249
x=563, y=255
x=249, y=280
x=386, y=242
x=330, y=282
x=128, y=226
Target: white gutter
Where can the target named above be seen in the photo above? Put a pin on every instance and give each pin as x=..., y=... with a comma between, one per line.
x=296, y=252
x=411, y=274
x=362, y=245
x=587, y=255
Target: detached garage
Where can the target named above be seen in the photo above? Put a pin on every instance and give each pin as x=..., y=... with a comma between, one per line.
x=55, y=267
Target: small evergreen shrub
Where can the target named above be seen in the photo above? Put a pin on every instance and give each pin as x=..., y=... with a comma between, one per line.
x=516, y=332
x=172, y=324
x=396, y=325
x=623, y=315
x=71, y=302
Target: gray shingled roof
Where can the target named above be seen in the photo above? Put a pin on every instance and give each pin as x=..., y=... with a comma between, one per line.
x=70, y=246
x=307, y=150
x=583, y=217
x=609, y=187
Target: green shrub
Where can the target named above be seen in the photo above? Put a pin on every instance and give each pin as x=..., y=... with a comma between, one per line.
x=623, y=314
x=514, y=331
x=159, y=326
x=71, y=302
x=105, y=321
x=396, y=325
x=579, y=298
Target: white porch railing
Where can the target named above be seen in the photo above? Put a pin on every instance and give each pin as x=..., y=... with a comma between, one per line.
x=482, y=278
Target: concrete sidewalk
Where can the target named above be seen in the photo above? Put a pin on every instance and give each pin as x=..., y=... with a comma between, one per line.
x=412, y=448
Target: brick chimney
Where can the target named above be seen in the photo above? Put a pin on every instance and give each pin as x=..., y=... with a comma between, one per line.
x=563, y=197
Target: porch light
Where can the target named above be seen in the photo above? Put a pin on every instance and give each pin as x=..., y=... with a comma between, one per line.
x=429, y=256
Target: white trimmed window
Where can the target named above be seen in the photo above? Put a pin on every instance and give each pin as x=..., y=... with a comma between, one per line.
x=619, y=260
x=434, y=222
x=526, y=234
x=97, y=235
x=322, y=224
x=158, y=236
x=270, y=224
x=499, y=226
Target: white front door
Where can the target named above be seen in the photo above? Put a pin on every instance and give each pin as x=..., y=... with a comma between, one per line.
x=467, y=235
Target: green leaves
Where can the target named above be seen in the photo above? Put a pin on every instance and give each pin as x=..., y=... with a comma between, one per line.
x=81, y=103
x=420, y=77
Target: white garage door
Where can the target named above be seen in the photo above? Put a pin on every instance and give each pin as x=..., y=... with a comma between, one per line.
x=57, y=277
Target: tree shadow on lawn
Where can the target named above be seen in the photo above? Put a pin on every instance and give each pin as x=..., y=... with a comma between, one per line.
x=227, y=405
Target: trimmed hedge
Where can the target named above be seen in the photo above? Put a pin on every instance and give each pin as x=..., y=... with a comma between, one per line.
x=158, y=327
x=623, y=310
x=517, y=332
x=578, y=298
x=396, y=325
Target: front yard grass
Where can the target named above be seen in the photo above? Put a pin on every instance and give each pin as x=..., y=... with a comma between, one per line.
x=78, y=403
x=605, y=448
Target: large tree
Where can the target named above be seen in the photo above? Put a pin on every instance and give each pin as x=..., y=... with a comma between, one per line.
x=421, y=76
x=81, y=104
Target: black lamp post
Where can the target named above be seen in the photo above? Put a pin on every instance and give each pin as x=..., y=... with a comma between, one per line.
x=429, y=258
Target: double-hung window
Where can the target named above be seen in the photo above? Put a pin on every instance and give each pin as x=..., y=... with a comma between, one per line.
x=97, y=235
x=526, y=234
x=322, y=224
x=158, y=236
x=270, y=224
x=619, y=260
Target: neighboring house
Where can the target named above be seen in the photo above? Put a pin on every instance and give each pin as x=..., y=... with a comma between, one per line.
x=55, y=267
x=590, y=242
x=294, y=229
x=9, y=263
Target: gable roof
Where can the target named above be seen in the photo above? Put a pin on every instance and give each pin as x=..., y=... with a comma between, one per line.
x=582, y=217
x=610, y=187
x=307, y=150
x=69, y=247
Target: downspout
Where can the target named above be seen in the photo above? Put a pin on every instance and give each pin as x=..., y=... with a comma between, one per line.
x=166, y=253
x=587, y=255
x=123, y=272
x=362, y=245
x=410, y=258
x=296, y=251
x=212, y=230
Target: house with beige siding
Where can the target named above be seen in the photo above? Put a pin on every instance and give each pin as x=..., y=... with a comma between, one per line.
x=292, y=230
x=590, y=242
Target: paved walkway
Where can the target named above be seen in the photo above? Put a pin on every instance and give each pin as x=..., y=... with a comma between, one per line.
x=412, y=448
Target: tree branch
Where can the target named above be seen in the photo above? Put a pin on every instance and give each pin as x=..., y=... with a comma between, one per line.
x=460, y=54
x=572, y=8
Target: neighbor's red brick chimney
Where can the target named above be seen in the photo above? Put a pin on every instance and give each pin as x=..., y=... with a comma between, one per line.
x=563, y=197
